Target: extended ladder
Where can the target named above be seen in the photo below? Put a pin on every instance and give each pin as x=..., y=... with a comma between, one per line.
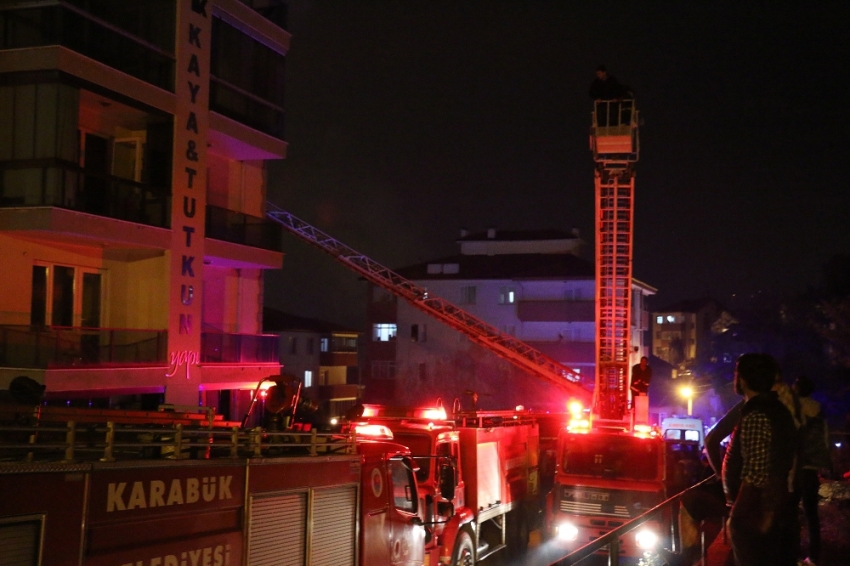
x=510, y=348
x=614, y=142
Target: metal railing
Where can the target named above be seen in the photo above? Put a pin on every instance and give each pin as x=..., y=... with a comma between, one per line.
x=74, y=442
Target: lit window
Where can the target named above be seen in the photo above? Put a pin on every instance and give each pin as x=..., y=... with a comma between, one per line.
x=671, y=318
x=507, y=296
x=383, y=332
x=659, y=319
x=324, y=345
x=308, y=378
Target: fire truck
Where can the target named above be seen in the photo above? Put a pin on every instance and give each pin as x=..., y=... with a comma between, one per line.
x=168, y=488
x=478, y=475
x=611, y=466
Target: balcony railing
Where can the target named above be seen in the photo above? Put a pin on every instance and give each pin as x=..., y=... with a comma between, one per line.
x=53, y=182
x=238, y=228
x=42, y=347
x=76, y=29
x=28, y=346
x=221, y=347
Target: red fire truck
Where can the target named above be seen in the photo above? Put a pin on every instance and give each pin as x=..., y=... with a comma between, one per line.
x=115, y=488
x=478, y=475
x=606, y=476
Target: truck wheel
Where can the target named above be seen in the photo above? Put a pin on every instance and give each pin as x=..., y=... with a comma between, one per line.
x=464, y=554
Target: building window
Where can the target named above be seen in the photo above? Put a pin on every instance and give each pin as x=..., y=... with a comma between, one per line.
x=507, y=296
x=293, y=345
x=509, y=329
x=59, y=292
x=383, y=332
x=467, y=295
x=659, y=319
x=324, y=345
x=310, y=346
x=418, y=333
x=383, y=369
x=308, y=378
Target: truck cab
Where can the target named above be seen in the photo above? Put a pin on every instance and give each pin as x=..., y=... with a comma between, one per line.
x=605, y=478
x=391, y=527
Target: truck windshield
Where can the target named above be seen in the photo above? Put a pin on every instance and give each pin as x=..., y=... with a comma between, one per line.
x=420, y=445
x=611, y=456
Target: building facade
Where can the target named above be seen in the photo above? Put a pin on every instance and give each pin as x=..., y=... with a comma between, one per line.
x=323, y=356
x=133, y=144
x=529, y=284
x=682, y=332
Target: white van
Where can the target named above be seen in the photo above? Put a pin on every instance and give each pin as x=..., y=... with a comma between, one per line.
x=683, y=428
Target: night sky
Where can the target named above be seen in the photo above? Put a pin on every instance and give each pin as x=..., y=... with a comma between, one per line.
x=407, y=121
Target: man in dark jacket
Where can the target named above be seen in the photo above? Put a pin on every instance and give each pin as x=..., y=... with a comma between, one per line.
x=608, y=93
x=606, y=87
x=641, y=377
x=757, y=469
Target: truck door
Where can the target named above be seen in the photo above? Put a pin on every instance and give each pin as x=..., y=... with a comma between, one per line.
x=407, y=538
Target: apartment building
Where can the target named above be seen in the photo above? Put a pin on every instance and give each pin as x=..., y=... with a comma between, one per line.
x=682, y=332
x=323, y=356
x=133, y=144
x=530, y=284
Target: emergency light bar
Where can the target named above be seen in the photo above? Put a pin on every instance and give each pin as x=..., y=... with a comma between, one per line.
x=373, y=431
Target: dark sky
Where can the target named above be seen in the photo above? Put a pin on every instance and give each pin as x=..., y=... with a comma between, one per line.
x=407, y=121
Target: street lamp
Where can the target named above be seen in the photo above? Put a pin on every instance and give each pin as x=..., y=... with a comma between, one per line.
x=688, y=393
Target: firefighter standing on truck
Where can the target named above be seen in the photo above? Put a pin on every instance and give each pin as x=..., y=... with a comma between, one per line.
x=641, y=376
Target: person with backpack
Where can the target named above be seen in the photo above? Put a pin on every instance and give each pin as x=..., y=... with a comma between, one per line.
x=813, y=456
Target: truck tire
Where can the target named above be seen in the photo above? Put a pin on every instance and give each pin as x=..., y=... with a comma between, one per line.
x=464, y=554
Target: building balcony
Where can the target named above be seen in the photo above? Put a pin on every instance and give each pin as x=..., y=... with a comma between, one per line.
x=25, y=346
x=273, y=10
x=54, y=182
x=99, y=33
x=222, y=347
x=556, y=311
x=348, y=359
x=238, y=228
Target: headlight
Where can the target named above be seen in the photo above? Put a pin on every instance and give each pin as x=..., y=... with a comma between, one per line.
x=567, y=531
x=646, y=539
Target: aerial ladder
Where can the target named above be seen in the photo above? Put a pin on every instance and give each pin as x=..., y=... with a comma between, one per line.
x=615, y=146
x=516, y=351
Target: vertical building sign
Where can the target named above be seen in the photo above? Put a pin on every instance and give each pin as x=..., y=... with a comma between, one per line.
x=188, y=207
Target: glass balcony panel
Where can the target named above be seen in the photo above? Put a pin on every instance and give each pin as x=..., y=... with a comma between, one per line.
x=221, y=347
x=239, y=228
x=53, y=182
x=42, y=347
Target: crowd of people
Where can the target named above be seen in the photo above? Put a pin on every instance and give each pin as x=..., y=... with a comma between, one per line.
x=777, y=449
